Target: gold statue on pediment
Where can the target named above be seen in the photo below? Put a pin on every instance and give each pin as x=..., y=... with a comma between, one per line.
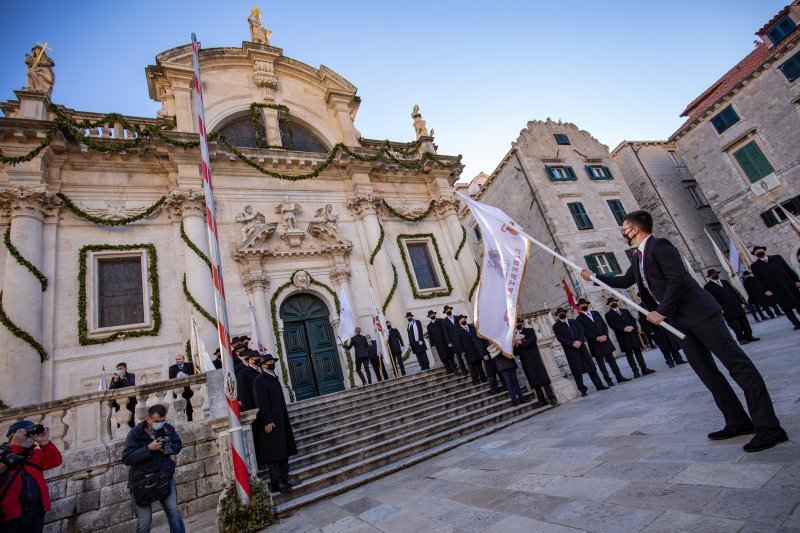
x=258, y=33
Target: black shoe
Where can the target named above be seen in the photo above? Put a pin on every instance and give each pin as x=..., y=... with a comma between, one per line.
x=766, y=438
x=493, y=391
x=648, y=371
x=290, y=482
x=728, y=432
x=636, y=375
x=601, y=387
x=681, y=361
x=754, y=339
x=515, y=402
x=670, y=364
x=797, y=327
x=524, y=400
x=553, y=401
x=742, y=343
x=584, y=394
x=623, y=380
x=609, y=384
x=539, y=405
x=283, y=487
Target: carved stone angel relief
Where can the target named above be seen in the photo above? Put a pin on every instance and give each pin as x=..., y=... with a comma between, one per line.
x=251, y=221
x=117, y=212
x=326, y=216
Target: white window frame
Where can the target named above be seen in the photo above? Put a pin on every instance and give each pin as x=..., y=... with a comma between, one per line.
x=434, y=261
x=560, y=173
x=603, y=266
x=93, y=293
x=598, y=171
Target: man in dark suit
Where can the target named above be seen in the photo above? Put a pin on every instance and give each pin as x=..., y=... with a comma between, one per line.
x=467, y=343
x=671, y=293
x=569, y=333
x=756, y=293
x=277, y=441
x=624, y=326
x=600, y=345
x=217, y=359
x=780, y=280
x=182, y=369
x=436, y=337
x=527, y=349
x=417, y=341
x=734, y=310
x=449, y=324
x=245, y=378
x=359, y=343
x=666, y=342
x=375, y=359
x=395, y=341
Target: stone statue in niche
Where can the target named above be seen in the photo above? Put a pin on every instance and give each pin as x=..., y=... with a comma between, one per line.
x=41, y=76
x=249, y=219
x=327, y=217
x=301, y=280
x=419, y=125
x=258, y=33
x=288, y=210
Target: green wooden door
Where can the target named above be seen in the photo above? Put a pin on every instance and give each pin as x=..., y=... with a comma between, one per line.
x=311, y=352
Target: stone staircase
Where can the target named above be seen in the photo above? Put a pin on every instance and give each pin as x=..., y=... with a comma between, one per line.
x=352, y=437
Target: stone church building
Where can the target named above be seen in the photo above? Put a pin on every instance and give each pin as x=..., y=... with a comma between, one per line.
x=105, y=255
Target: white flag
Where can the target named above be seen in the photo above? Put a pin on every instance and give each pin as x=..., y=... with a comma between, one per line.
x=378, y=324
x=103, y=381
x=733, y=257
x=199, y=353
x=795, y=222
x=346, y=324
x=505, y=254
x=692, y=272
x=733, y=277
x=256, y=343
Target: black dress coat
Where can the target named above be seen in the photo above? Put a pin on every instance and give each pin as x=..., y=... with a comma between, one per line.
x=360, y=345
x=244, y=387
x=727, y=297
x=413, y=330
x=188, y=369
x=618, y=321
x=438, y=340
x=467, y=342
x=448, y=327
x=395, y=341
x=756, y=292
x=777, y=276
x=531, y=359
x=278, y=444
x=675, y=294
x=593, y=329
x=579, y=359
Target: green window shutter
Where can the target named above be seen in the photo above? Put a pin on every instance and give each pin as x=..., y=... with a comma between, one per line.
x=549, y=170
x=791, y=69
x=612, y=262
x=591, y=263
x=571, y=173
x=753, y=162
x=589, y=171
x=609, y=175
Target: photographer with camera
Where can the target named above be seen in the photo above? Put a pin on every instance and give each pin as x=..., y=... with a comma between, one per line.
x=148, y=451
x=24, y=497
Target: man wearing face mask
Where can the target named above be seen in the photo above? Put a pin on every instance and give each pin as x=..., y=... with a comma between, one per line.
x=468, y=344
x=417, y=342
x=671, y=293
x=121, y=379
x=182, y=369
x=395, y=341
x=449, y=325
x=734, y=309
x=780, y=281
x=148, y=452
x=25, y=497
x=624, y=326
x=527, y=349
x=600, y=345
x=277, y=442
x=571, y=336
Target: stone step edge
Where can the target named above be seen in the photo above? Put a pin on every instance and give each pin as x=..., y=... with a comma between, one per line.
x=356, y=397
x=437, y=408
x=285, y=509
x=363, y=389
x=357, y=416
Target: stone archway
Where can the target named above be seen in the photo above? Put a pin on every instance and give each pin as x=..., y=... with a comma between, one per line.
x=311, y=353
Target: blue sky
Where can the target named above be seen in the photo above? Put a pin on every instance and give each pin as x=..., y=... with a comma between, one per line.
x=621, y=69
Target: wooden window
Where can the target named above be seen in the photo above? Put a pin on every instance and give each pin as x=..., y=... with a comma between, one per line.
x=561, y=173
x=781, y=29
x=599, y=172
x=725, y=119
x=422, y=265
x=617, y=210
x=561, y=138
x=603, y=263
x=580, y=216
x=753, y=162
x=791, y=69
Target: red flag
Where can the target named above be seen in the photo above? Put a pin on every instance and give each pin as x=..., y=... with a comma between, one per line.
x=570, y=296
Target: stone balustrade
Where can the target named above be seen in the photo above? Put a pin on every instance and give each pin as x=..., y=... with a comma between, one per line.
x=103, y=416
x=113, y=131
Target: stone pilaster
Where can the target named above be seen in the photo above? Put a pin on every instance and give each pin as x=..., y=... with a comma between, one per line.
x=257, y=287
x=447, y=209
x=340, y=277
x=20, y=368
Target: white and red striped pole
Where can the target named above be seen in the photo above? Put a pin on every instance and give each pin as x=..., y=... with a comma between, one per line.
x=229, y=386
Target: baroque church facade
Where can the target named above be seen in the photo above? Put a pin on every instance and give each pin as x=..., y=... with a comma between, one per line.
x=105, y=256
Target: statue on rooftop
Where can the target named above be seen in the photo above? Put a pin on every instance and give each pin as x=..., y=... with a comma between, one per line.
x=41, y=76
x=419, y=125
x=258, y=33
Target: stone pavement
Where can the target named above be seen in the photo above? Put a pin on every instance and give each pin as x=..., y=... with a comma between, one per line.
x=633, y=458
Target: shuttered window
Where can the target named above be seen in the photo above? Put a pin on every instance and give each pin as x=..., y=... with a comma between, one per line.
x=617, y=210
x=781, y=29
x=561, y=173
x=791, y=69
x=580, y=216
x=603, y=263
x=599, y=172
x=753, y=162
x=725, y=119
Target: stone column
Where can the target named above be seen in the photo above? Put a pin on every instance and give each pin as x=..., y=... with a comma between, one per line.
x=271, y=126
x=256, y=285
x=23, y=302
x=188, y=207
x=446, y=207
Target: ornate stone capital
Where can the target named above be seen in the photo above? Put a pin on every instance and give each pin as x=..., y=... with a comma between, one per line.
x=340, y=275
x=264, y=74
x=253, y=281
x=182, y=203
x=446, y=204
x=364, y=204
x=36, y=202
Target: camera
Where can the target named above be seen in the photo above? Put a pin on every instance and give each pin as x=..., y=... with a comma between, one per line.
x=166, y=443
x=8, y=458
x=38, y=429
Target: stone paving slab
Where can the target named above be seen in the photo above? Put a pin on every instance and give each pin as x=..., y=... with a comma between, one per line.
x=634, y=458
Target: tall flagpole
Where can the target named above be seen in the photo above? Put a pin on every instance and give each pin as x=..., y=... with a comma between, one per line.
x=229, y=386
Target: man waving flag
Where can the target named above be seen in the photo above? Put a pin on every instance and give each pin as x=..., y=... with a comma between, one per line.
x=505, y=253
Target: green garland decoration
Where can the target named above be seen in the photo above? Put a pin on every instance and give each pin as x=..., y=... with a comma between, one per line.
x=463, y=241
x=189, y=298
x=21, y=333
x=391, y=291
x=80, y=213
x=411, y=150
x=193, y=247
x=22, y=261
x=377, y=246
x=477, y=282
x=417, y=218
x=236, y=517
x=414, y=290
x=188, y=350
x=155, y=300
x=260, y=142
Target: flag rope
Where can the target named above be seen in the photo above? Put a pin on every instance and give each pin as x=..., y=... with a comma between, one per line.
x=241, y=475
